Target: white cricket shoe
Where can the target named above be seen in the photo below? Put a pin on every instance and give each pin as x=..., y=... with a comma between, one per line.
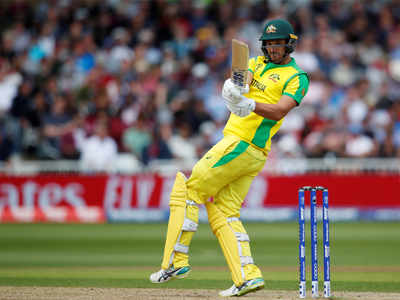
x=249, y=286
x=168, y=274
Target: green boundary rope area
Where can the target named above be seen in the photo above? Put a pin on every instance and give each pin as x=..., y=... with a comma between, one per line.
x=365, y=256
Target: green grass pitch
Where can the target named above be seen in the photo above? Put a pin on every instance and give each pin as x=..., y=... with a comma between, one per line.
x=364, y=256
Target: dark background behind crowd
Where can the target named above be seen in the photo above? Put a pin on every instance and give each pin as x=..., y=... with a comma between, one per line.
x=90, y=80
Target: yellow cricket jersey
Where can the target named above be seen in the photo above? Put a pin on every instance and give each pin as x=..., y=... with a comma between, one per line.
x=270, y=82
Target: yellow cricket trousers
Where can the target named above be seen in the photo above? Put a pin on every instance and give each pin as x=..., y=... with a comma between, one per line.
x=225, y=173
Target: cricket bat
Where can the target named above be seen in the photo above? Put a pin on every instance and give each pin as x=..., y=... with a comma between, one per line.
x=240, y=59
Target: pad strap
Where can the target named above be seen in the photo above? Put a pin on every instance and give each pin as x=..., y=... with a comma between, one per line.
x=181, y=248
x=242, y=237
x=189, y=225
x=233, y=219
x=190, y=202
x=246, y=260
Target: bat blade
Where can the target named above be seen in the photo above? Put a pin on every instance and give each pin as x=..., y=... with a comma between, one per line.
x=240, y=59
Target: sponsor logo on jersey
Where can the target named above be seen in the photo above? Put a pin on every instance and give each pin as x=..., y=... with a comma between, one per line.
x=258, y=85
x=274, y=77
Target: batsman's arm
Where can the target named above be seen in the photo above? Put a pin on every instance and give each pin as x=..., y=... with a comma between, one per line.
x=275, y=111
x=242, y=106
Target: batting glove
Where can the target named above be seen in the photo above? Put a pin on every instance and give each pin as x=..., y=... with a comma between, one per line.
x=242, y=108
x=232, y=91
x=245, y=89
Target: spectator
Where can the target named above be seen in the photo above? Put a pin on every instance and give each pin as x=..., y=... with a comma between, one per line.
x=98, y=152
x=205, y=140
x=6, y=147
x=137, y=137
x=181, y=143
x=57, y=129
x=159, y=148
x=120, y=61
x=360, y=145
x=10, y=80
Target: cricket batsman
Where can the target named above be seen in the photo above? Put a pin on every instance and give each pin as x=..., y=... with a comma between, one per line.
x=275, y=86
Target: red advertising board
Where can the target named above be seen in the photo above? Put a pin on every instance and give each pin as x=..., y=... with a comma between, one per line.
x=57, y=198
x=359, y=190
x=144, y=197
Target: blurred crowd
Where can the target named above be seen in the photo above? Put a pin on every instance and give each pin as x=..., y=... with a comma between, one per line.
x=94, y=79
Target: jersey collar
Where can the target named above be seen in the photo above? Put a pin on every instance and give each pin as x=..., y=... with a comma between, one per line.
x=271, y=65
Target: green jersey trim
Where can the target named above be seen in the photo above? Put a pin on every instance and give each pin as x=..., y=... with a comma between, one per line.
x=239, y=149
x=303, y=87
x=263, y=132
x=271, y=65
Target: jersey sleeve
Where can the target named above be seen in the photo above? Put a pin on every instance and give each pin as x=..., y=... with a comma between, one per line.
x=252, y=64
x=297, y=87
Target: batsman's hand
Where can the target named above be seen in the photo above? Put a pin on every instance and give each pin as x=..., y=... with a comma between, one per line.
x=243, y=108
x=232, y=91
x=244, y=90
x=234, y=101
